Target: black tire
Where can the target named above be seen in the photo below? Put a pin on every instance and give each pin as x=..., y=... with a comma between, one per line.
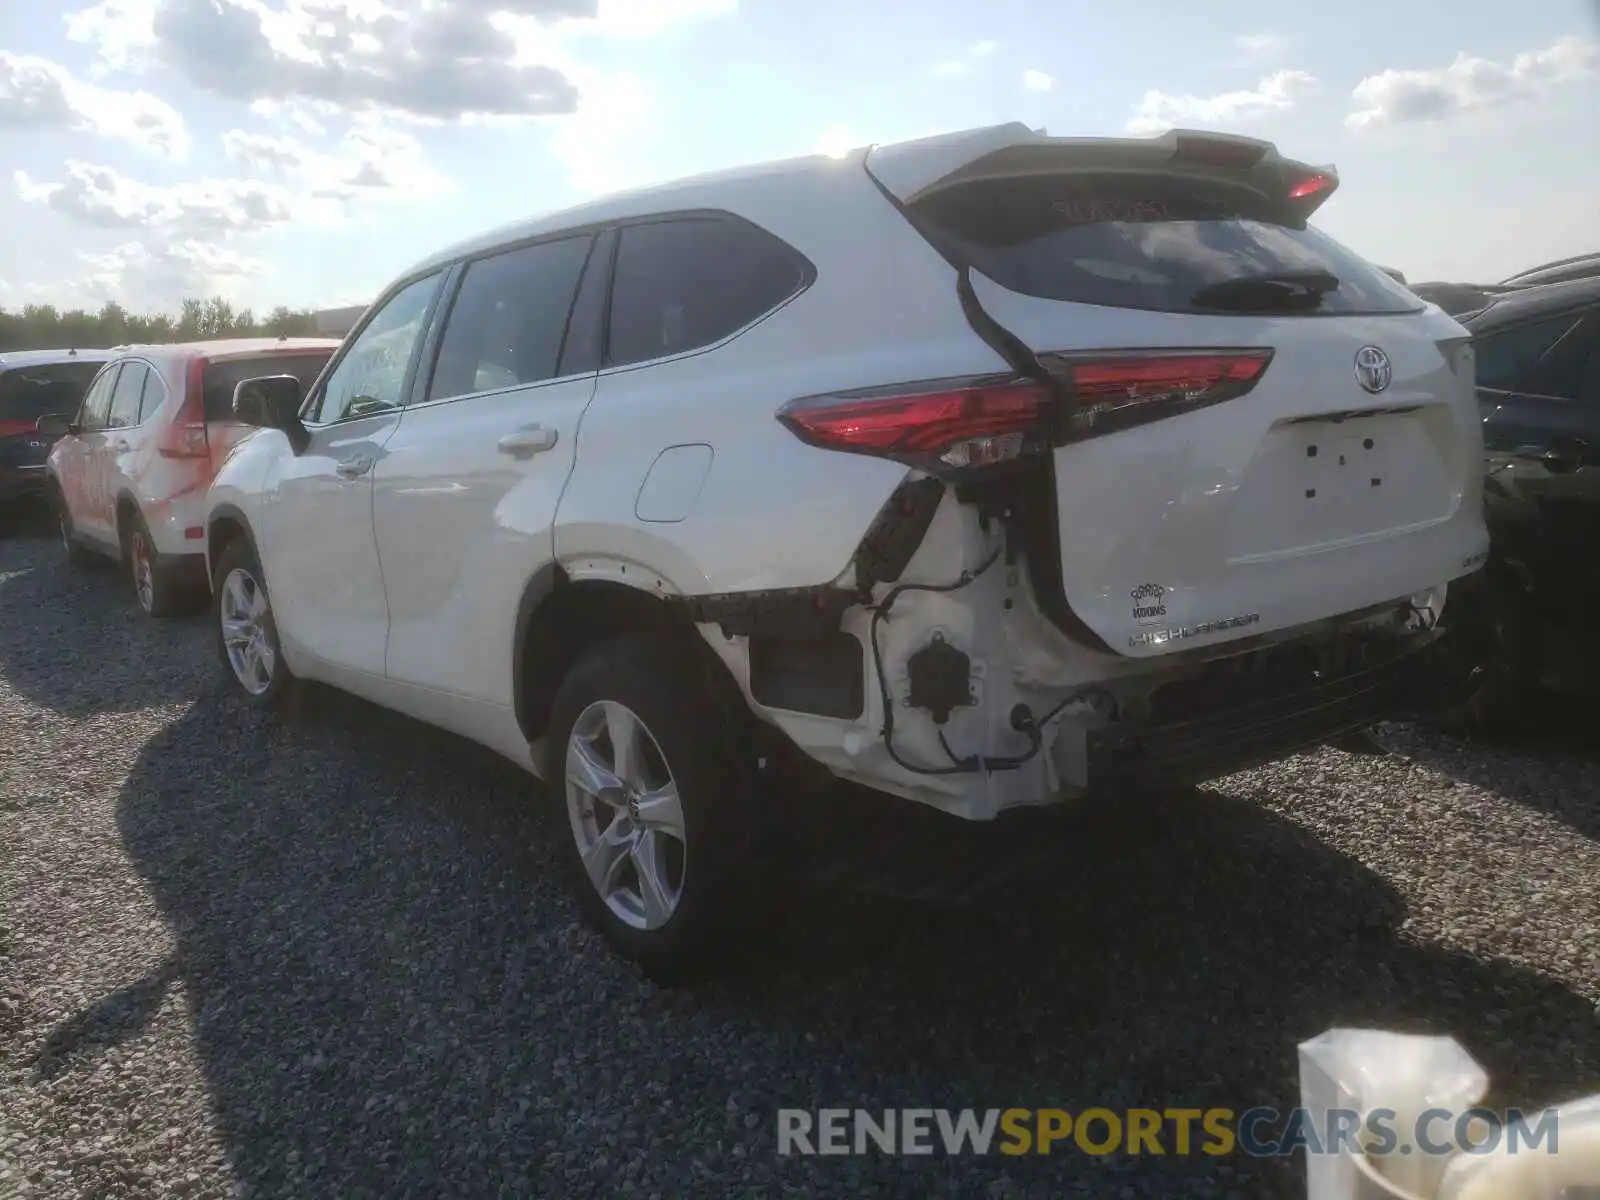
x=163, y=596
x=71, y=549
x=1490, y=644
x=282, y=685
x=713, y=767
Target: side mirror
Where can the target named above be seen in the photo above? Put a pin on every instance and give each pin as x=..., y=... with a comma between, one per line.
x=271, y=402
x=53, y=425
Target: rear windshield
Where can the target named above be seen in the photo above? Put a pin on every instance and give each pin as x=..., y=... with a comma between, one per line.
x=222, y=377
x=28, y=393
x=1149, y=244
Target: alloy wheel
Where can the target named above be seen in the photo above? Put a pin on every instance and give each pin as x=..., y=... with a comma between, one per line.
x=242, y=609
x=626, y=815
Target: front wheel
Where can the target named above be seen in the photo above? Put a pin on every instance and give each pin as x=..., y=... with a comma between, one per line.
x=649, y=794
x=71, y=549
x=247, y=634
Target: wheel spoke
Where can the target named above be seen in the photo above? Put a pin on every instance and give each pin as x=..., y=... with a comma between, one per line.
x=605, y=858
x=590, y=775
x=237, y=601
x=662, y=811
x=654, y=893
x=235, y=632
x=623, y=727
x=258, y=599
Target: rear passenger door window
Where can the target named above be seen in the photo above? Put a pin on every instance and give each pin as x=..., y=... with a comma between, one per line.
x=683, y=283
x=97, y=403
x=125, y=397
x=509, y=319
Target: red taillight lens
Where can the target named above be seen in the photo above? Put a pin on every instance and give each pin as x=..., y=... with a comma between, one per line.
x=1118, y=391
x=956, y=428
x=990, y=424
x=185, y=436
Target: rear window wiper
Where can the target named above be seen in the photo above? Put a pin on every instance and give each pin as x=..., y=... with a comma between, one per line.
x=1267, y=291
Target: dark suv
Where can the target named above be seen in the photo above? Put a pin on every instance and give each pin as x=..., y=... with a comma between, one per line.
x=1538, y=369
x=34, y=384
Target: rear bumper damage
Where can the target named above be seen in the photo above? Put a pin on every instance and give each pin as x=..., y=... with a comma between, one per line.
x=969, y=697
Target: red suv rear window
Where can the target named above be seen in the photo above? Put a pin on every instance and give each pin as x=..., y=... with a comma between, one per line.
x=222, y=377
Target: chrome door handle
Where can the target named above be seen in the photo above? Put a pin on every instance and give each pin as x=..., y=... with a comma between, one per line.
x=353, y=468
x=530, y=439
x=120, y=447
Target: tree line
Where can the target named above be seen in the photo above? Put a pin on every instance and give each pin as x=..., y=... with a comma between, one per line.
x=45, y=327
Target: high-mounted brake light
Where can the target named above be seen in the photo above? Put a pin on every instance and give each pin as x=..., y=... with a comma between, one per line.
x=940, y=428
x=1312, y=185
x=185, y=437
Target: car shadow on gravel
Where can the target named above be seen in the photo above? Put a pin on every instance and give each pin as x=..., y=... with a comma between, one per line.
x=391, y=995
x=1561, y=737
x=72, y=639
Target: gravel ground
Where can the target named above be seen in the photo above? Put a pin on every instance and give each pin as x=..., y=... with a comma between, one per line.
x=325, y=956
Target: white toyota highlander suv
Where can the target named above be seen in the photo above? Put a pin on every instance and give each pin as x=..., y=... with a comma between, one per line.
x=987, y=470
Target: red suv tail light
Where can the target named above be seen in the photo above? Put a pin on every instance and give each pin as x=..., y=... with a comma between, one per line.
x=975, y=424
x=185, y=436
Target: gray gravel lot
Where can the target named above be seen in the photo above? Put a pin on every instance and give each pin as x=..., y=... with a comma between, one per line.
x=326, y=956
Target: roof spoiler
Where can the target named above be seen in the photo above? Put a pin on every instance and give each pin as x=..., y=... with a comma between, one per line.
x=913, y=171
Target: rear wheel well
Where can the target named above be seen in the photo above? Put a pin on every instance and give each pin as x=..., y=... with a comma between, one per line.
x=220, y=534
x=127, y=509
x=575, y=617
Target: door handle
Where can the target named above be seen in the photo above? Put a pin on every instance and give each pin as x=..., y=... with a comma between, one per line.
x=530, y=439
x=120, y=446
x=353, y=468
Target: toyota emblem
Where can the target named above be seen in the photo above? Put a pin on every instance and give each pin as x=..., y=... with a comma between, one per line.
x=1373, y=371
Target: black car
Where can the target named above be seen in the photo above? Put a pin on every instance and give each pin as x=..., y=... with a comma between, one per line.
x=1530, y=612
x=33, y=384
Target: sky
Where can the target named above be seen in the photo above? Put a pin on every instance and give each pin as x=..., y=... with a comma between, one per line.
x=304, y=152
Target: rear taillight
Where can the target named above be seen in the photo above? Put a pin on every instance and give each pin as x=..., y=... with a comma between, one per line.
x=1118, y=391
x=939, y=428
x=185, y=435
x=944, y=429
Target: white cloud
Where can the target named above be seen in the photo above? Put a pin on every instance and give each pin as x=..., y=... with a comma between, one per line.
x=953, y=69
x=36, y=93
x=983, y=48
x=371, y=161
x=1037, y=81
x=1159, y=111
x=431, y=60
x=151, y=275
x=1468, y=84
x=1253, y=47
x=104, y=197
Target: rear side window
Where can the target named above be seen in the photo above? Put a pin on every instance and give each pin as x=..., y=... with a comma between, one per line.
x=220, y=378
x=52, y=389
x=125, y=398
x=1150, y=244
x=98, y=400
x=684, y=283
x=1529, y=358
x=509, y=319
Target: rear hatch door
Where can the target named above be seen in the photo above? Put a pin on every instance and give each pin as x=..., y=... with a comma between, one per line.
x=1263, y=428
